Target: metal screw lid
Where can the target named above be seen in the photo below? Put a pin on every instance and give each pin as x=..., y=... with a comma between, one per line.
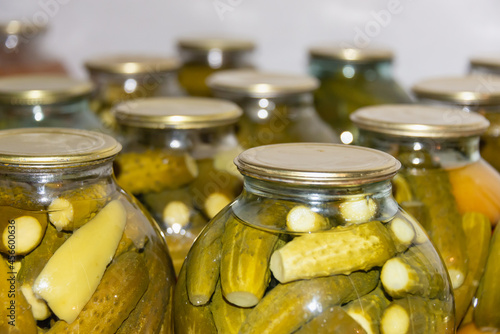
x=317, y=163
x=132, y=64
x=261, y=84
x=177, y=112
x=16, y=27
x=41, y=89
x=54, y=147
x=491, y=61
x=351, y=54
x=408, y=120
x=465, y=90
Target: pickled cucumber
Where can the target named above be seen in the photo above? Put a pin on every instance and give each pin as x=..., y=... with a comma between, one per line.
x=228, y=318
x=285, y=308
x=245, y=262
x=342, y=250
x=332, y=321
x=190, y=319
x=15, y=312
x=119, y=291
x=73, y=273
x=368, y=309
x=73, y=208
x=154, y=170
x=432, y=187
x=414, y=315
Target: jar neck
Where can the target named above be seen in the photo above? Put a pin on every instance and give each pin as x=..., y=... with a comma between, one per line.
x=322, y=197
x=325, y=68
x=112, y=88
x=46, y=184
x=216, y=58
x=199, y=143
x=414, y=152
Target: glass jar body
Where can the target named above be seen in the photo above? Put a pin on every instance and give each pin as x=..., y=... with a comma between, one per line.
x=20, y=54
x=95, y=250
x=285, y=119
x=112, y=89
x=454, y=194
x=198, y=65
x=346, y=86
x=253, y=270
x=72, y=114
x=182, y=176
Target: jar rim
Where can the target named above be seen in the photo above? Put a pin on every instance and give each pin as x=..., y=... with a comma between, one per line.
x=418, y=120
x=132, y=64
x=55, y=147
x=476, y=89
x=177, y=112
x=211, y=43
x=261, y=84
x=42, y=89
x=317, y=164
x=356, y=55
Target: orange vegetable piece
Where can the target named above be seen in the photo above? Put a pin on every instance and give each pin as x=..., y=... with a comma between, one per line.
x=472, y=329
x=476, y=188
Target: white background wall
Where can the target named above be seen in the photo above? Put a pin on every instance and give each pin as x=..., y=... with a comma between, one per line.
x=429, y=38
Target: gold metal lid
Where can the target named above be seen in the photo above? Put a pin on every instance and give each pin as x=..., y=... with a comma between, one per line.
x=54, y=147
x=414, y=120
x=223, y=44
x=464, y=90
x=317, y=163
x=132, y=64
x=41, y=89
x=492, y=61
x=177, y=112
x=261, y=84
x=351, y=54
x=16, y=27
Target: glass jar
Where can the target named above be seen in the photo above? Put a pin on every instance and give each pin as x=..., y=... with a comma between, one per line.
x=126, y=77
x=177, y=160
x=444, y=182
x=278, y=108
x=20, y=52
x=314, y=244
x=479, y=93
x=46, y=101
x=77, y=252
x=350, y=79
x=204, y=56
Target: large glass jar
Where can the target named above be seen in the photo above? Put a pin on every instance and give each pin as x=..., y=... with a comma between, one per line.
x=177, y=160
x=444, y=182
x=203, y=56
x=480, y=93
x=278, y=108
x=125, y=77
x=350, y=79
x=20, y=50
x=46, y=100
x=77, y=253
x=314, y=244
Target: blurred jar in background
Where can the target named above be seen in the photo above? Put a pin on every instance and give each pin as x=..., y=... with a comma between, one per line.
x=480, y=93
x=350, y=79
x=485, y=65
x=125, y=77
x=20, y=50
x=46, y=101
x=177, y=160
x=203, y=56
x=277, y=108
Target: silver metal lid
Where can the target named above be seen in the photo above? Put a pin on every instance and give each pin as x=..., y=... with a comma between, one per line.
x=317, y=163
